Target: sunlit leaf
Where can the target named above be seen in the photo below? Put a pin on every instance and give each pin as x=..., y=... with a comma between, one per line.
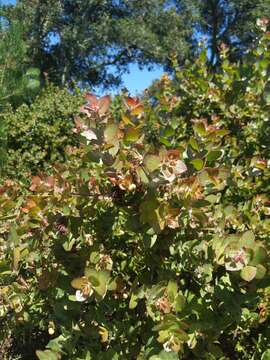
x=111, y=133
x=248, y=273
x=47, y=355
x=248, y=239
x=126, y=120
x=142, y=175
x=89, y=135
x=104, y=334
x=197, y=163
x=104, y=104
x=79, y=283
x=132, y=134
x=151, y=162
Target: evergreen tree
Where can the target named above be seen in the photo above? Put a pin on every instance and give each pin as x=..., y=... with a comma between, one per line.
x=93, y=41
x=17, y=83
x=230, y=22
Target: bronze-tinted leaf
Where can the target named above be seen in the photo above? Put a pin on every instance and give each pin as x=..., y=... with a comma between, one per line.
x=104, y=104
x=79, y=283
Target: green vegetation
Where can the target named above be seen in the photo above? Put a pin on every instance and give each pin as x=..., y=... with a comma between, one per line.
x=38, y=134
x=93, y=41
x=18, y=83
x=151, y=240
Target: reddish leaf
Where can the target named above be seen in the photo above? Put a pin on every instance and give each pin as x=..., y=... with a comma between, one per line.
x=134, y=105
x=36, y=181
x=132, y=102
x=104, y=104
x=91, y=99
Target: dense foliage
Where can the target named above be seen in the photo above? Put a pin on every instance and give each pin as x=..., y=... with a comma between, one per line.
x=93, y=41
x=63, y=44
x=18, y=83
x=37, y=134
x=232, y=22
x=151, y=241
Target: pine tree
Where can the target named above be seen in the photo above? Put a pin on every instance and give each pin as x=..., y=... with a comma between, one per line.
x=230, y=22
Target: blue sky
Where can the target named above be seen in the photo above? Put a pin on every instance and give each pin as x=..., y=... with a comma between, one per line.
x=136, y=80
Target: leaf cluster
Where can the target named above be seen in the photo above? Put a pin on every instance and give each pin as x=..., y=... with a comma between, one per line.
x=151, y=241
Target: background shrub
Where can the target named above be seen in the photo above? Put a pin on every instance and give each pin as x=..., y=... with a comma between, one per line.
x=39, y=133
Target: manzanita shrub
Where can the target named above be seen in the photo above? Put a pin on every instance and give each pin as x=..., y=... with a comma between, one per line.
x=152, y=240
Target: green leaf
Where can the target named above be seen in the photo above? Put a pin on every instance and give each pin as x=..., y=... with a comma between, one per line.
x=248, y=273
x=200, y=203
x=33, y=72
x=222, y=132
x=79, y=283
x=172, y=289
x=248, y=239
x=197, y=163
x=180, y=302
x=142, y=175
x=214, y=155
x=169, y=131
x=132, y=134
x=163, y=355
x=13, y=236
x=259, y=255
x=150, y=213
x=204, y=178
x=199, y=128
x=164, y=141
x=133, y=302
x=194, y=144
x=126, y=120
x=223, y=173
x=98, y=281
x=266, y=355
x=57, y=343
x=111, y=133
x=33, y=84
x=47, y=355
x=267, y=97
x=151, y=162
x=92, y=276
x=261, y=271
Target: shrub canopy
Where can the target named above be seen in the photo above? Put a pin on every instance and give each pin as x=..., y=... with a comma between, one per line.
x=37, y=134
x=152, y=240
